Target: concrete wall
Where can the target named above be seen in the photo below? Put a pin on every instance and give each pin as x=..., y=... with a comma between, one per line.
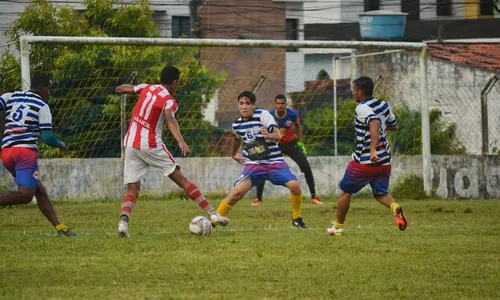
x=81, y=179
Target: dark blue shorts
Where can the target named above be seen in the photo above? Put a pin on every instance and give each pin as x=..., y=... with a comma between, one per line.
x=357, y=176
x=278, y=174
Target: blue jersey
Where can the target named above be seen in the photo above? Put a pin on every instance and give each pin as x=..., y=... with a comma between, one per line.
x=25, y=115
x=372, y=109
x=285, y=124
x=249, y=131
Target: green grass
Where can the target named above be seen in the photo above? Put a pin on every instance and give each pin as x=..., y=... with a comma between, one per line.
x=449, y=251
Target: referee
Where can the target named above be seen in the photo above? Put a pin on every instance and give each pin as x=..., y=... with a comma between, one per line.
x=290, y=144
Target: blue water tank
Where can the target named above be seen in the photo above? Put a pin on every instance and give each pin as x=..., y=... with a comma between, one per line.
x=382, y=24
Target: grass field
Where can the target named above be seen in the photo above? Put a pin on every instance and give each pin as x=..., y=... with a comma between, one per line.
x=451, y=250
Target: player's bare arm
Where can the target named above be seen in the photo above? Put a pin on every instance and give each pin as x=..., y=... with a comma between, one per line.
x=125, y=89
x=274, y=135
x=298, y=129
x=173, y=126
x=235, y=146
x=374, y=136
x=298, y=132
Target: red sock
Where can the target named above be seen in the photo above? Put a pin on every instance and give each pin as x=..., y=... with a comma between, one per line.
x=128, y=204
x=194, y=193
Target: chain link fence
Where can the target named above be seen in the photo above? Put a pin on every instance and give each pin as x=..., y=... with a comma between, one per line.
x=456, y=93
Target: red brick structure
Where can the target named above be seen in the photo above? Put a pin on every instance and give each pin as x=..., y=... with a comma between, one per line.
x=231, y=19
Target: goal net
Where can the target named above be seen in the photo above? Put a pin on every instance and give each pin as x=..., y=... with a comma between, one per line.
x=314, y=76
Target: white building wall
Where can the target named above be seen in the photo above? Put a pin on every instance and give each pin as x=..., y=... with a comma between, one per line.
x=390, y=5
x=322, y=11
x=314, y=63
x=295, y=60
x=295, y=76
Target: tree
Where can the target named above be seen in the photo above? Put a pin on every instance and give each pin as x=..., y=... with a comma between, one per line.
x=408, y=140
x=86, y=112
x=319, y=131
x=319, y=134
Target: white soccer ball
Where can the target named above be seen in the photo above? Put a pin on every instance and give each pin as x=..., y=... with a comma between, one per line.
x=200, y=226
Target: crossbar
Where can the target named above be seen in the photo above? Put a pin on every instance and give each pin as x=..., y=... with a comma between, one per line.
x=222, y=42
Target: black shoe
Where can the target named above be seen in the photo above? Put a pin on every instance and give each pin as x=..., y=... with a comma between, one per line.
x=299, y=223
x=66, y=232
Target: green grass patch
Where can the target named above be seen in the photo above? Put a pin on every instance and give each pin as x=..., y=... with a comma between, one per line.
x=409, y=187
x=449, y=251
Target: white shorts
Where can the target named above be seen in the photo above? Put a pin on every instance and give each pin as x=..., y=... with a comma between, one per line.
x=137, y=163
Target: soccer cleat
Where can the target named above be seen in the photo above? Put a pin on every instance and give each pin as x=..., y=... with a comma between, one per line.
x=257, y=203
x=401, y=219
x=299, y=223
x=217, y=219
x=123, y=230
x=316, y=201
x=66, y=232
x=333, y=231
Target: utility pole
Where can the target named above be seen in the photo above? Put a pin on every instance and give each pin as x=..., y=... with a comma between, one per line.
x=194, y=17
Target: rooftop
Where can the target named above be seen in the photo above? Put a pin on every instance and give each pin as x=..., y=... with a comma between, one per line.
x=485, y=56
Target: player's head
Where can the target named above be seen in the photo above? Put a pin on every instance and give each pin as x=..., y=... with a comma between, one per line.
x=280, y=102
x=246, y=104
x=41, y=84
x=362, y=88
x=169, y=77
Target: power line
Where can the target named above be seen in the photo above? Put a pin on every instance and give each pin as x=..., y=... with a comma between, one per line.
x=242, y=12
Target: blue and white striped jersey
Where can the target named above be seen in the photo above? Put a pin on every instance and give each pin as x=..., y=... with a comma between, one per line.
x=25, y=115
x=366, y=111
x=249, y=131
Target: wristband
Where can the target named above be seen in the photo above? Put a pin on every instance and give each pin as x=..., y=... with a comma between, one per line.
x=302, y=147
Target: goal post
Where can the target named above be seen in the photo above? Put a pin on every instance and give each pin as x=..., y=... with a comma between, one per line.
x=212, y=49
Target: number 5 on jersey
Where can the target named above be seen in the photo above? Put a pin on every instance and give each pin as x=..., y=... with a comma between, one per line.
x=18, y=114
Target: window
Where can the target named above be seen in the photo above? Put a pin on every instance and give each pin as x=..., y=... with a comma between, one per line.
x=372, y=5
x=412, y=8
x=180, y=27
x=292, y=29
x=292, y=32
x=486, y=7
x=443, y=8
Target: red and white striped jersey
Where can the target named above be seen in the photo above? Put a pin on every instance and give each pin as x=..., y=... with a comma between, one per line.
x=146, y=124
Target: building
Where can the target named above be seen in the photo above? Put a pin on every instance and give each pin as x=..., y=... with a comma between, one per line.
x=439, y=20
x=257, y=20
x=343, y=11
x=171, y=16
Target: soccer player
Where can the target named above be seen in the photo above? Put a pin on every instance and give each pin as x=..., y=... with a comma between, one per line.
x=371, y=161
x=144, y=147
x=25, y=116
x=290, y=144
x=262, y=158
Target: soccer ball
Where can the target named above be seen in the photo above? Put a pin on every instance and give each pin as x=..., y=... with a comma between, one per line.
x=200, y=226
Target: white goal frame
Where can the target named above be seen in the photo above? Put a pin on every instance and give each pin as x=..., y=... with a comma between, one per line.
x=427, y=171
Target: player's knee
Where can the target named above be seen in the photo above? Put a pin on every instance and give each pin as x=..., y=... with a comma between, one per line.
x=26, y=197
x=294, y=188
x=237, y=195
x=306, y=170
x=134, y=191
x=42, y=193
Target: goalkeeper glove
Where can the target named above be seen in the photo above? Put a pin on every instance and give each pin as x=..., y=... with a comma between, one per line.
x=302, y=148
